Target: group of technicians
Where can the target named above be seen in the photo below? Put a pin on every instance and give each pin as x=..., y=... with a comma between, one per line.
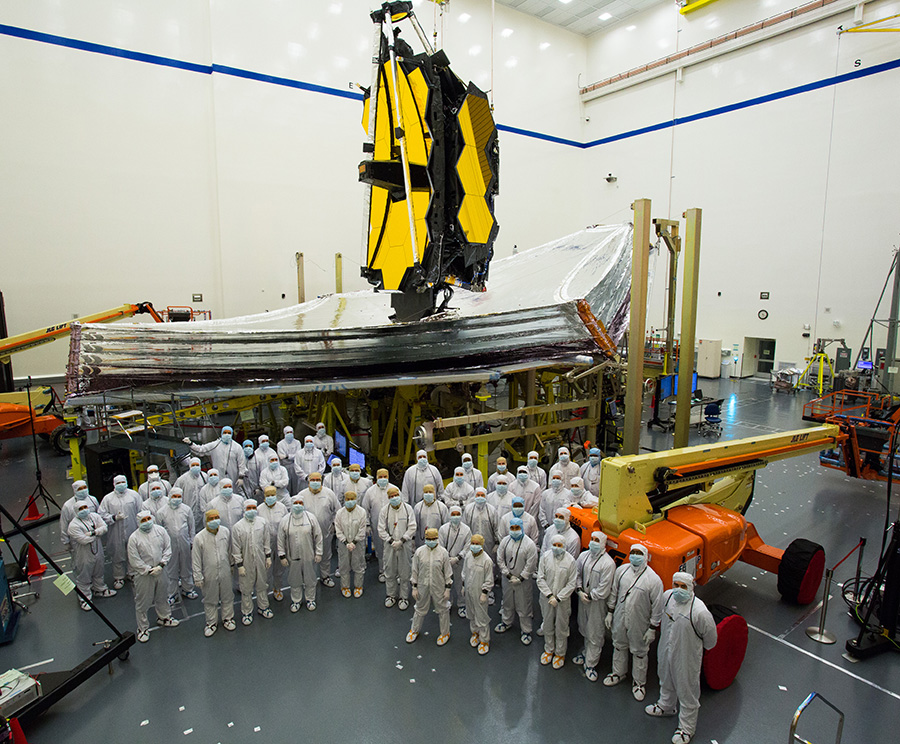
x=262, y=514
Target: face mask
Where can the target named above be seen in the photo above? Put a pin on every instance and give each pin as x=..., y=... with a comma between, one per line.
x=320, y=432
x=681, y=595
x=502, y=488
x=250, y=514
x=467, y=464
x=226, y=439
x=264, y=446
x=226, y=492
x=248, y=451
x=153, y=476
x=594, y=459
x=214, y=479
x=81, y=494
x=85, y=514
x=395, y=501
x=532, y=464
x=515, y=534
x=556, y=484
x=382, y=483
x=501, y=468
x=422, y=463
x=195, y=470
x=175, y=501
x=354, y=475
x=458, y=480
x=518, y=511
x=564, y=459
x=476, y=549
x=121, y=487
x=336, y=469
x=636, y=560
x=156, y=494
x=273, y=465
x=270, y=500
x=429, y=498
x=431, y=543
x=560, y=524
x=350, y=504
x=315, y=486
x=480, y=500
x=577, y=491
x=558, y=551
x=213, y=524
x=594, y=547
x=455, y=519
x=146, y=526
x=309, y=445
x=289, y=437
x=522, y=477
x=297, y=508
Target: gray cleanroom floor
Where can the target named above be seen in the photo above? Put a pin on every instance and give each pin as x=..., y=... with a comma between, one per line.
x=344, y=672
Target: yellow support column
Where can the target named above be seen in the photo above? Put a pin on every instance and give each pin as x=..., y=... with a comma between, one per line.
x=637, y=326
x=688, y=326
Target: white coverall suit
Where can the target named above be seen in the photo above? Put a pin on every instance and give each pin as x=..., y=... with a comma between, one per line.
x=350, y=527
x=428, y=517
x=478, y=581
x=556, y=576
x=84, y=537
x=250, y=548
x=272, y=515
x=228, y=459
x=373, y=502
x=636, y=599
x=127, y=504
x=517, y=558
x=146, y=550
x=300, y=541
x=323, y=506
x=432, y=578
x=397, y=525
x=686, y=630
x=595, y=577
x=456, y=539
x=179, y=524
x=211, y=561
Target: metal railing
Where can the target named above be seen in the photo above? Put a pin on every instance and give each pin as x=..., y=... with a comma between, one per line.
x=803, y=706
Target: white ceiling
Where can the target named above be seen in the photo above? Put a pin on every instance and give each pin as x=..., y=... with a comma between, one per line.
x=580, y=16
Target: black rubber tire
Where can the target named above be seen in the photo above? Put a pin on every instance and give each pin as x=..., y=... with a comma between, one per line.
x=44, y=436
x=59, y=439
x=800, y=572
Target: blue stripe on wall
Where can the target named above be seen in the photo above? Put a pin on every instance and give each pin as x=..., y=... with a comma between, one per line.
x=87, y=46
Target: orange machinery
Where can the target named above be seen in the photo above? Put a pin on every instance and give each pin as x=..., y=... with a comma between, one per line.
x=687, y=506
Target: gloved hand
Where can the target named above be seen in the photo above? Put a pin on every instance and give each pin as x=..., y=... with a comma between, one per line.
x=584, y=597
x=120, y=517
x=505, y=572
x=284, y=561
x=609, y=618
x=515, y=580
x=484, y=598
x=395, y=544
x=649, y=636
x=446, y=595
x=317, y=559
x=351, y=546
x=242, y=571
x=240, y=482
x=553, y=601
x=186, y=440
x=198, y=585
x=415, y=594
x=268, y=561
x=156, y=571
x=454, y=560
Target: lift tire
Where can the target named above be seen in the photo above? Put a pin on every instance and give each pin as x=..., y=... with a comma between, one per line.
x=59, y=439
x=722, y=662
x=800, y=572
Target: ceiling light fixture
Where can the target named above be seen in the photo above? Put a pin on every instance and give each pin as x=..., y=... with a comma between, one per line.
x=605, y=16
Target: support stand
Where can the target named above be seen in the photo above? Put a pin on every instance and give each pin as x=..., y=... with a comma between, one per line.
x=39, y=491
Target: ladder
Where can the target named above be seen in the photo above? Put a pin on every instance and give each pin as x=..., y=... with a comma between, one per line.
x=803, y=706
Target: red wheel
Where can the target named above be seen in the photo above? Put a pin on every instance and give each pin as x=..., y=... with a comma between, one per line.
x=722, y=662
x=800, y=572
